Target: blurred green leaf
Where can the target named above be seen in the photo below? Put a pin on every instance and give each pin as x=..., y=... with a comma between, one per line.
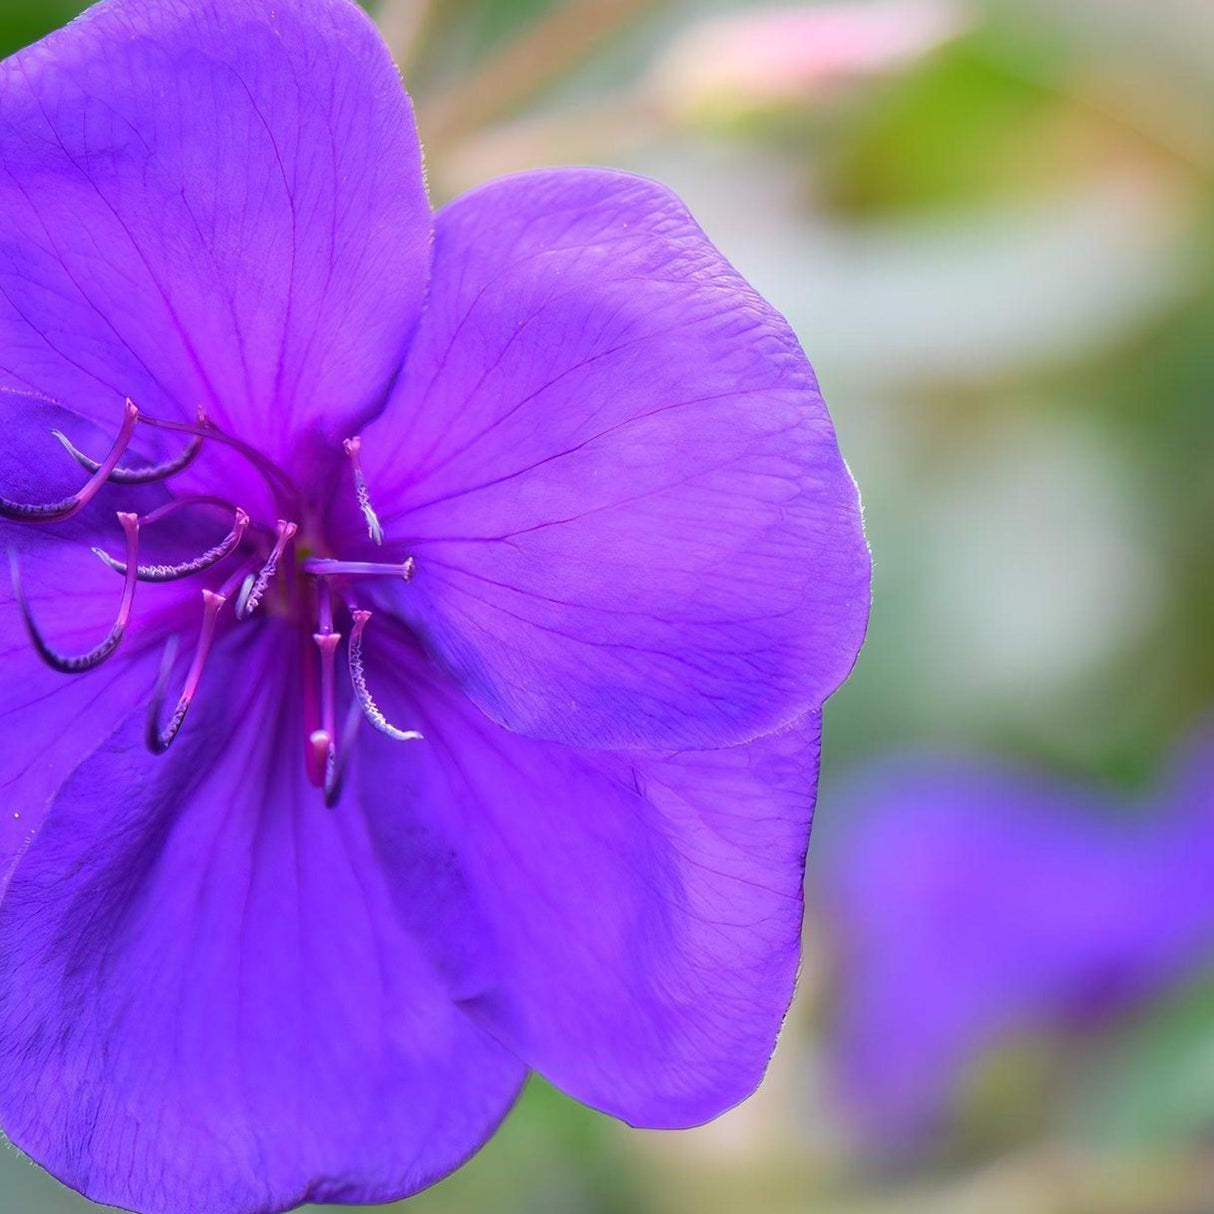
x=1159, y=1086
x=22, y=23
x=969, y=124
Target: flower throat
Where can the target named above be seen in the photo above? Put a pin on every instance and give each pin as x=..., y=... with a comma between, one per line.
x=253, y=563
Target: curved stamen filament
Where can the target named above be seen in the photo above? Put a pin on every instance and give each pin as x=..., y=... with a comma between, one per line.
x=324, y=567
x=139, y=476
x=255, y=587
x=358, y=677
x=274, y=476
x=160, y=738
x=181, y=503
x=353, y=448
x=56, y=512
x=78, y=663
x=172, y=573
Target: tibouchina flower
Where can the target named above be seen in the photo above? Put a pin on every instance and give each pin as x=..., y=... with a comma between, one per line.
x=419, y=628
x=973, y=902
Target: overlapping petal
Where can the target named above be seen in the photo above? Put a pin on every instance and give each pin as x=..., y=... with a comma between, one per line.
x=216, y=203
x=633, y=920
x=207, y=998
x=611, y=460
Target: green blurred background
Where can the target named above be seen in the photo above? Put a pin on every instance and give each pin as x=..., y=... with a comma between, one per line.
x=990, y=223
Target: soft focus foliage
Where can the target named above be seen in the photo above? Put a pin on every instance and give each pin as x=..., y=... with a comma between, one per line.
x=998, y=251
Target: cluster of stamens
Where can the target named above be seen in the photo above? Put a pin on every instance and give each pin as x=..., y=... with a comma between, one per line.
x=256, y=558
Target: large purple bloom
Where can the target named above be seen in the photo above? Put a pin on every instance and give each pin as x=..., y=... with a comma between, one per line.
x=972, y=902
x=590, y=537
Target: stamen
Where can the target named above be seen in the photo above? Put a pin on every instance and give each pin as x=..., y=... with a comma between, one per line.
x=172, y=573
x=77, y=664
x=335, y=770
x=324, y=567
x=181, y=503
x=56, y=512
x=139, y=476
x=353, y=448
x=160, y=738
x=358, y=677
x=255, y=587
x=275, y=477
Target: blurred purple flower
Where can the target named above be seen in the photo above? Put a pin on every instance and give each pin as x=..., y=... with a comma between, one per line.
x=635, y=570
x=973, y=902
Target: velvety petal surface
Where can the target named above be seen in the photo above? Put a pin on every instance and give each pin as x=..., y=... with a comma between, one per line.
x=612, y=463
x=207, y=999
x=974, y=903
x=211, y=203
x=634, y=920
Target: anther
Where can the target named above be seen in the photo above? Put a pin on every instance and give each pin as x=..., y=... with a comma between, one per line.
x=353, y=448
x=78, y=663
x=172, y=573
x=160, y=738
x=324, y=567
x=358, y=677
x=139, y=476
x=56, y=512
x=255, y=587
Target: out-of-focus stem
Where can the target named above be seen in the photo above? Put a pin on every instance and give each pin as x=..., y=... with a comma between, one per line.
x=546, y=50
x=403, y=25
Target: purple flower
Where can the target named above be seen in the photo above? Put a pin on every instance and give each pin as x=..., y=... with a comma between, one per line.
x=973, y=902
x=540, y=472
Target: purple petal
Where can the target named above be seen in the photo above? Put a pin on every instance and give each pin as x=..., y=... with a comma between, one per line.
x=610, y=458
x=217, y=203
x=974, y=902
x=207, y=1000
x=641, y=913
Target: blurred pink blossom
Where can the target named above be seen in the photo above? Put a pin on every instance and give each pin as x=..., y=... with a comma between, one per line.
x=773, y=56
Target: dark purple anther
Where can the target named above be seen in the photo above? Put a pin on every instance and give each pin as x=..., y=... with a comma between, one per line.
x=139, y=476
x=77, y=664
x=199, y=564
x=56, y=512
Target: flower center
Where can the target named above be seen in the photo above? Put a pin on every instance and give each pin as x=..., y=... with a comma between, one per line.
x=256, y=566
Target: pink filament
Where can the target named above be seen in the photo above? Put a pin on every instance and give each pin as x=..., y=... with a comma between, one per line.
x=160, y=738
x=78, y=663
